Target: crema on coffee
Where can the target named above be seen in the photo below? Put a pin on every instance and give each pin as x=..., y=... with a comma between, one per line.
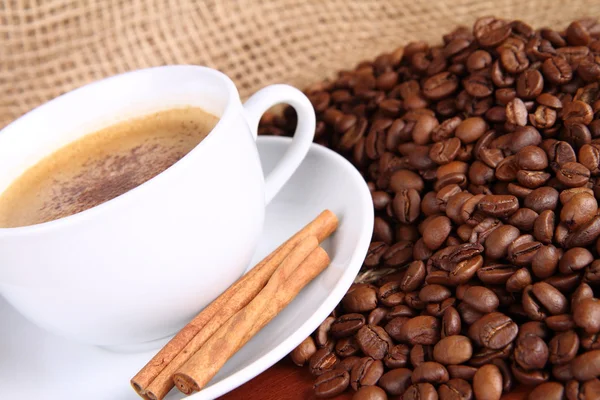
x=102, y=165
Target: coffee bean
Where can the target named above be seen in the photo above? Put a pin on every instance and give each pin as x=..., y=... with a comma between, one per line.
x=454, y=349
x=434, y=293
x=495, y=274
x=396, y=381
x=494, y=330
x=390, y=294
x=541, y=199
x=548, y=391
x=366, y=372
x=370, y=393
x=303, y=352
x=420, y=354
x=586, y=366
x=481, y=299
x=563, y=347
x=542, y=299
x=545, y=261
x=322, y=333
x=530, y=84
x=346, y=347
x=487, y=383
x=438, y=230
x=544, y=225
x=322, y=361
x=586, y=315
x=382, y=231
x=451, y=323
x=420, y=391
x=331, y=383
x=347, y=325
x=575, y=259
x=431, y=372
x=373, y=341
x=455, y=389
x=423, y=330
x=397, y=356
x=498, y=241
x=414, y=276
x=531, y=352
x=362, y=299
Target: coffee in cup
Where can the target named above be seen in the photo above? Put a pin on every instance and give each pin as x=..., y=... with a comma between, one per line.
x=103, y=165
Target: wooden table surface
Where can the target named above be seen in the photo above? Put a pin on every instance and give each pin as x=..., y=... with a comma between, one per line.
x=285, y=381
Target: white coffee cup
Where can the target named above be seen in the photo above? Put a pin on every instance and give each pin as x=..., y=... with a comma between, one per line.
x=140, y=266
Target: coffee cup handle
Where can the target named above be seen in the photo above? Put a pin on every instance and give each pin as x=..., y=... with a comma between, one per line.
x=256, y=106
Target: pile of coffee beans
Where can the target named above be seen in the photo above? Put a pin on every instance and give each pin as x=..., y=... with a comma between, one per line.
x=483, y=159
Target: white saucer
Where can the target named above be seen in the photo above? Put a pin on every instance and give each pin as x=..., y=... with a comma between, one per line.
x=35, y=364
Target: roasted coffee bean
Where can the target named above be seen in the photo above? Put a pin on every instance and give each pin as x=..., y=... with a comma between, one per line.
x=543, y=227
x=331, y=383
x=560, y=323
x=548, y=391
x=346, y=347
x=322, y=332
x=519, y=280
x=575, y=259
x=396, y=381
x=582, y=391
x=534, y=377
x=586, y=315
x=498, y=241
x=486, y=356
x=420, y=354
x=563, y=347
x=531, y=352
x=361, y=299
x=541, y=300
x=397, y=356
x=303, y=352
x=382, y=231
x=487, y=383
x=431, y=372
x=390, y=294
x=586, y=366
x=494, y=330
x=465, y=372
x=322, y=361
x=370, y=393
x=373, y=341
x=573, y=174
x=544, y=198
x=580, y=209
x=414, y=276
x=348, y=363
x=451, y=323
x=407, y=205
x=420, y=391
x=495, y=274
x=453, y=350
x=545, y=261
x=346, y=325
x=481, y=299
x=434, y=293
x=423, y=330
x=562, y=372
x=455, y=389
x=366, y=372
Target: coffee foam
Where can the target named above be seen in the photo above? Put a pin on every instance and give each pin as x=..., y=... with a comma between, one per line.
x=103, y=165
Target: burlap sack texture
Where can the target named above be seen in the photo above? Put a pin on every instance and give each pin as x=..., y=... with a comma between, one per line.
x=48, y=47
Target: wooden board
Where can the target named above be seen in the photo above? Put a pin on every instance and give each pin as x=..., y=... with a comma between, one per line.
x=285, y=381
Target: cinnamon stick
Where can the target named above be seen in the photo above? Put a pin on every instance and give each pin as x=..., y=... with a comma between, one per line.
x=238, y=330
x=321, y=227
x=164, y=382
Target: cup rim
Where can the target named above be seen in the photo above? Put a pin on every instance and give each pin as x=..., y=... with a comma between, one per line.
x=232, y=94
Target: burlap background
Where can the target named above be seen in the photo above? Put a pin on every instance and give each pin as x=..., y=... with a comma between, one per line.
x=48, y=47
